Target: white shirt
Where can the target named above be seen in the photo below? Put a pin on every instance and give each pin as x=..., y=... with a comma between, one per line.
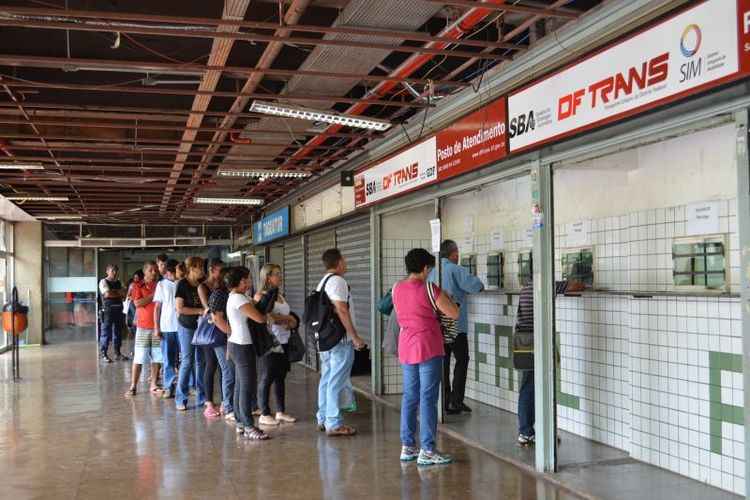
x=237, y=319
x=164, y=294
x=338, y=289
x=281, y=332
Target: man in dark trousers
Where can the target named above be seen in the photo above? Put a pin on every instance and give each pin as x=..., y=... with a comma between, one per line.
x=458, y=282
x=112, y=295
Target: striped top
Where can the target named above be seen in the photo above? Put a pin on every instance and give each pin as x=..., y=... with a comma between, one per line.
x=525, y=315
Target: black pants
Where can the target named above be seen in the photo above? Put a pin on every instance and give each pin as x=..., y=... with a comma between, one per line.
x=460, y=349
x=209, y=357
x=245, y=382
x=274, y=367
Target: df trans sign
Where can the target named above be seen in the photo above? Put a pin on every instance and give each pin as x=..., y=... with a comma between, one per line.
x=697, y=49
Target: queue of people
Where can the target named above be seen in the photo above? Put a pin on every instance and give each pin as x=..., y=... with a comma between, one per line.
x=172, y=299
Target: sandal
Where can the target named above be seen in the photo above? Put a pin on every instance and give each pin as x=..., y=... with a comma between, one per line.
x=210, y=412
x=156, y=390
x=131, y=392
x=254, y=434
x=343, y=430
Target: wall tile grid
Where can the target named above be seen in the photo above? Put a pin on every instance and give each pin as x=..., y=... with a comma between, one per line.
x=658, y=377
x=392, y=256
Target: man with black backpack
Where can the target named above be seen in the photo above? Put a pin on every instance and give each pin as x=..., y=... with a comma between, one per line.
x=329, y=316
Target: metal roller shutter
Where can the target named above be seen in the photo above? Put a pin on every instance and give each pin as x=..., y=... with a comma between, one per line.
x=294, y=276
x=353, y=239
x=316, y=244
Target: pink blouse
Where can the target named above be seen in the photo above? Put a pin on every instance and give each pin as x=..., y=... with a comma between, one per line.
x=420, y=338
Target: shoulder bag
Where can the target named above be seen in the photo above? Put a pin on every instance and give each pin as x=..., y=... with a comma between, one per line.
x=448, y=326
x=207, y=333
x=296, y=347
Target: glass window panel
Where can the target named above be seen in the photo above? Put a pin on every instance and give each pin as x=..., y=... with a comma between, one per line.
x=715, y=262
x=682, y=249
x=683, y=279
x=700, y=264
x=715, y=281
x=683, y=264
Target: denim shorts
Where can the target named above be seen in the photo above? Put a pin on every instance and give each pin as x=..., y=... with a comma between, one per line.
x=147, y=347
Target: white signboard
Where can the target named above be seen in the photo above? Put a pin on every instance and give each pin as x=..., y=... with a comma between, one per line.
x=435, y=232
x=703, y=218
x=579, y=234
x=403, y=172
x=687, y=51
x=497, y=241
x=467, y=246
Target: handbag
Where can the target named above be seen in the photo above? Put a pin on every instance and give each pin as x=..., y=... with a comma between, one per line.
x=385, y=306
x=448, y=326
x=392, y=330
x=206, y=334
x=296, y=348
x=523, y=350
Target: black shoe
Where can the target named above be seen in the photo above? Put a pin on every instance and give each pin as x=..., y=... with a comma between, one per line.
x=105, y=358
x=465, y=408
x=122, y=357
x=450, y=410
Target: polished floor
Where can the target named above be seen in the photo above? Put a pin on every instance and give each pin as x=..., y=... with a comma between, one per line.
x=69, y=433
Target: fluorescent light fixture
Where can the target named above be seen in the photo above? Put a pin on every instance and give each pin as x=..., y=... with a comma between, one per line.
x=234, y=255
x=319, y=116
x=263, y=173
x=229, y=201
x=208, y=218
x=21, y=166
x=59, y=217
x=36, y=198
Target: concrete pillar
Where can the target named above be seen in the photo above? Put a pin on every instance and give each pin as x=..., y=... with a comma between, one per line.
x=29, y=273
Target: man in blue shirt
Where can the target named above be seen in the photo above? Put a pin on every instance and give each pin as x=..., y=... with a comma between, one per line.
x=458, y=282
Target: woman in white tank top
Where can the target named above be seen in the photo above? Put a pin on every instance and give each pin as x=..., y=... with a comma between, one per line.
x=275, y=364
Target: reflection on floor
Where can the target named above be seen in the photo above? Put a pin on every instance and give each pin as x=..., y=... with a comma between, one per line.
x=67, y=432
x=586, y=467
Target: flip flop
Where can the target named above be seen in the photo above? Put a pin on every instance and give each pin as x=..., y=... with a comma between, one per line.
x=343, y=430
x=130, y=393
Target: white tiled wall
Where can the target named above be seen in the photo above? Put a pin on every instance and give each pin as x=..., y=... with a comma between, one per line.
x=634, y=372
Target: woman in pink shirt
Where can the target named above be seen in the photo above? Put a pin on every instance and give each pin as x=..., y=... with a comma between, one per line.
x=420, y=351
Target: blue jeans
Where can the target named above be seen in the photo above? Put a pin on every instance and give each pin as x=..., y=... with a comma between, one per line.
x=111, y=330
x=421, y=391
x=190, y=357
x=170, y=347
x=227, y=378
x=335, y=372
x=526, y=404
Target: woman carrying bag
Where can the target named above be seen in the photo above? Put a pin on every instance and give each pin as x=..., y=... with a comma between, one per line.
x=275, y=364
x=241, y=350
x=420, y=351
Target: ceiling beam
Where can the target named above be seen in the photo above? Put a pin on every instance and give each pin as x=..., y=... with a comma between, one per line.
x=15, y=82
x=518, y=8
x=108, y=18
x=81, y=64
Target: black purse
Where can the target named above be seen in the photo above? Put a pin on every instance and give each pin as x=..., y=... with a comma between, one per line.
x=296, y=348
x=263, y=340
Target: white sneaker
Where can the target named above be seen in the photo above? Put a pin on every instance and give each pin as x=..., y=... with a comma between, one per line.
x=409, y=453
x=433, y=458
x=267, y=420
x=283, y=417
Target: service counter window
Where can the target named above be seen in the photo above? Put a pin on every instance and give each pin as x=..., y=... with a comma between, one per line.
x=495, y=271
x=578, y=266
x=699, y=263
x=470, y=263
x=525, y=268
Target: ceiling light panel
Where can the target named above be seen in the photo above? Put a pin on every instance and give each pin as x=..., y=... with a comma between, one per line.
x=21, y=166
x=319, y=116
x=36, y=198
x=229, y=201
x=264, y=173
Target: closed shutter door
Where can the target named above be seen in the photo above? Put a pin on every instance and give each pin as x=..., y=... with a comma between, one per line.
x=294, y=275
x=353, y=239
x=317, y=243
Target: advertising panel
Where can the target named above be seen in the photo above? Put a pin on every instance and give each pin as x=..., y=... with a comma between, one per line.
x=272, y=226
x=470, y=143
x=685, y=54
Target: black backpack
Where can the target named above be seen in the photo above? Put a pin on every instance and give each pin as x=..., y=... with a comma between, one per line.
x=321, y=320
